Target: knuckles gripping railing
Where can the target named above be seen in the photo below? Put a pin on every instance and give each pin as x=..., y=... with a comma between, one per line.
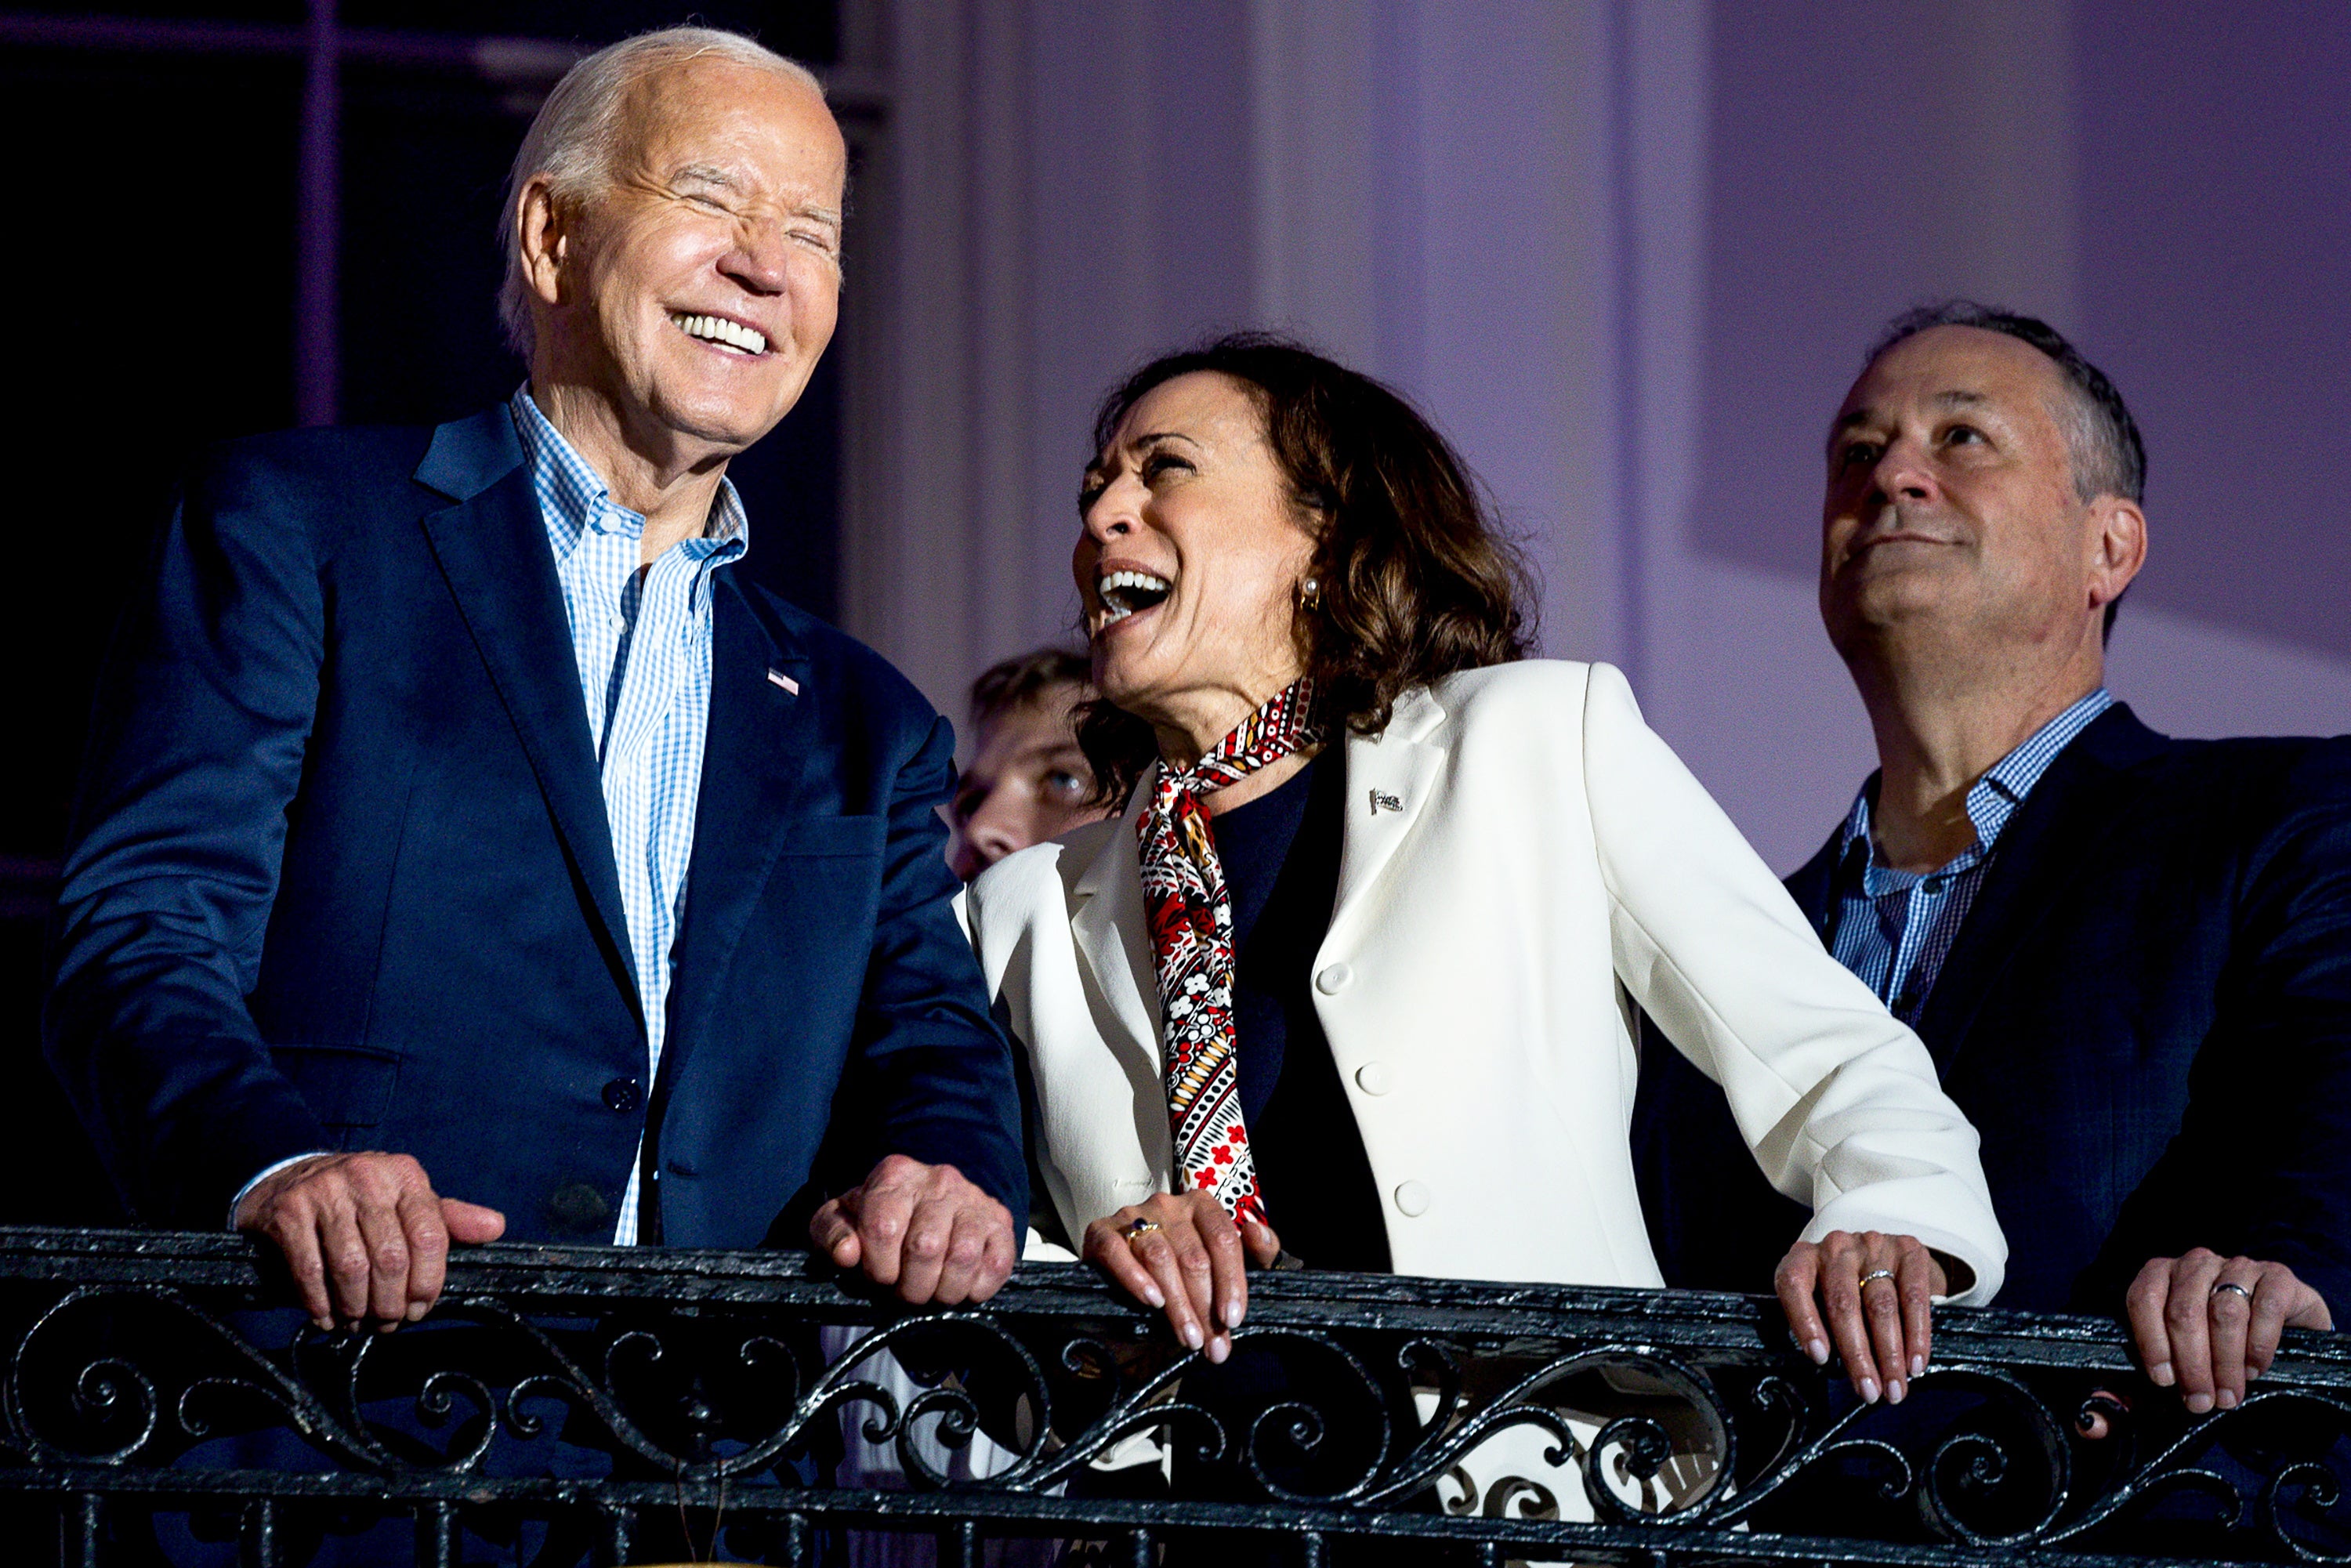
x=624, y=1405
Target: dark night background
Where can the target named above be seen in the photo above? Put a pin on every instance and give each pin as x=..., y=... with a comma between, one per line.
x=153, y=257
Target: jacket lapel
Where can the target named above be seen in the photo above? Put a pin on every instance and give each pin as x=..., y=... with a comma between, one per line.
x=1389, y=780
x=2086, y=791
x=492, y=552
x=1813, y=885
x=1113, y=938
x=755, y=760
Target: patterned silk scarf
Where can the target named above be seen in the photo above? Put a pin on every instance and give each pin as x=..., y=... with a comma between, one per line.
x=1191, y=919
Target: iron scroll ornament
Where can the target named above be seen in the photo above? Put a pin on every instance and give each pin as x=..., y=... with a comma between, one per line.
x=1671, y=1423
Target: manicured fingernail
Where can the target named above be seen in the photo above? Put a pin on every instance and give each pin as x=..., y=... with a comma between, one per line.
x=1153, y=1297
x=1233, y=1309
x=1869, y=1391
x=1894, y=1391
x=1219, y=1348
x=416, y=1311
x=1818, y=1349
x=2159, y=1374
x=2227, y=1399
x=1192, y=1336
x=1917, y=1367
x=2199, y=1403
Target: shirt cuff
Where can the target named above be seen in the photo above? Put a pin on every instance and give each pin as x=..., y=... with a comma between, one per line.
x=263, y=1174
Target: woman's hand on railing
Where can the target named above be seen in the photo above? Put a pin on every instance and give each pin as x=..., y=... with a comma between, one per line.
x=1181, y=1252
x=1878, y=1292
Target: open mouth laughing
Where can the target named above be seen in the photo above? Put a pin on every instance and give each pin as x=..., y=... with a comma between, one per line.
x=731, y=336
x=1126, y=592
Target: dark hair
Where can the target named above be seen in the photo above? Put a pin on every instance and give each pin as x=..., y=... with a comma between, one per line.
x=1024, y=677
x=2107, y=456
x=1417, y=578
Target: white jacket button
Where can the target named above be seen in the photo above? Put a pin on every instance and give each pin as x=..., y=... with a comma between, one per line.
x=1373, y=1077
x=1333, y=979
x=1412, y=1198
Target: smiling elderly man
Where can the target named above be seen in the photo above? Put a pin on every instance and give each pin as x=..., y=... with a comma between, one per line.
x=457, y=823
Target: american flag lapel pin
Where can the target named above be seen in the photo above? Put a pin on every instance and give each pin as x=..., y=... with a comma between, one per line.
x=778, y=677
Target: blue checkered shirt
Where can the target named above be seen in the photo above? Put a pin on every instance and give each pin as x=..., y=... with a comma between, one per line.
x=1894, y=928
x=641, y=639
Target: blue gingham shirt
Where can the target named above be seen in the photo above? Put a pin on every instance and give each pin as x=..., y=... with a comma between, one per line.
x=641, y=640
x=1894, y=928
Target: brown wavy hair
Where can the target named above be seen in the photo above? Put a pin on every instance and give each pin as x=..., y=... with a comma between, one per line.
x=1417, y=579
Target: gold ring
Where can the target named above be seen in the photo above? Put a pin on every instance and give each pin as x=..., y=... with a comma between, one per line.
x=1877, y=1274
x=1137, y=1229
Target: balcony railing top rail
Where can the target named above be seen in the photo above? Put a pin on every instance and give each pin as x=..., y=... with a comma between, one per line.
x=649, y=1399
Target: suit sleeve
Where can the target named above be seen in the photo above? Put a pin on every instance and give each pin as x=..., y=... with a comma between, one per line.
x=1838, y=1101
x=197, y=739
x=939, y=1075
x=2262, y=1165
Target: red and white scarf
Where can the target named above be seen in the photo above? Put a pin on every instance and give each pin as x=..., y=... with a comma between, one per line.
x=1190, y=915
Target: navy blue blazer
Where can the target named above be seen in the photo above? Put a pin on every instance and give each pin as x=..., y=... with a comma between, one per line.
x=341, y=877
x=2146, y=1013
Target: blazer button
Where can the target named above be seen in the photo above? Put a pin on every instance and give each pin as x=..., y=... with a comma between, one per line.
x=1373, y=1077
x=624, y=1094
x=1333, y=980
x=1412, y=1198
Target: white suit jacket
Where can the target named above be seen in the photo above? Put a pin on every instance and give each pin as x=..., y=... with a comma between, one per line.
x=1523, y=859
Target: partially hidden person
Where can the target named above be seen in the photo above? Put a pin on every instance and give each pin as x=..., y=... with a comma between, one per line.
x=1027, y=779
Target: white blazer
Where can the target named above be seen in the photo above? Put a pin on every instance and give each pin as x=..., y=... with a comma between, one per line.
x=1523, y=860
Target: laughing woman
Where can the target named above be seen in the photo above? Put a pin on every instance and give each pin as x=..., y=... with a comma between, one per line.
x=1350, y=978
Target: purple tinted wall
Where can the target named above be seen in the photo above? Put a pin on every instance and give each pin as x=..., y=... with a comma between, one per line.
x=2215, y=199
x=2169, y=180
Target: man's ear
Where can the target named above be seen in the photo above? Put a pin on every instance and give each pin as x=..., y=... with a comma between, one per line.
x=2117, y=546
x=540, y=225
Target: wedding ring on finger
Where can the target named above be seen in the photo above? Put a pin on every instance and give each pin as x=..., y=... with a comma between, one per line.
x=2232, y=1286
x=1874, y=1274
x=1136, y=1229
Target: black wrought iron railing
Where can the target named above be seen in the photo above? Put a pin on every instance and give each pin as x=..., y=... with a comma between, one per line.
x=618, y=1405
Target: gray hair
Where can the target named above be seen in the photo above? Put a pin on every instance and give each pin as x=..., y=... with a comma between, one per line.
x=572, y=138
x=2108, y=457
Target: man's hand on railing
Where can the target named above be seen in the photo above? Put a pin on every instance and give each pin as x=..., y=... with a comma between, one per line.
x=2208, y=1324
x=1181, y=1251
x=1878, y=1291
x=925, y=1229
x=364, y=1235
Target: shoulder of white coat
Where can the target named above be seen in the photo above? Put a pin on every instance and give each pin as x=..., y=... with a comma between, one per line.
x=1014, y=887
x=1036, y=881
x=1545, y=692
